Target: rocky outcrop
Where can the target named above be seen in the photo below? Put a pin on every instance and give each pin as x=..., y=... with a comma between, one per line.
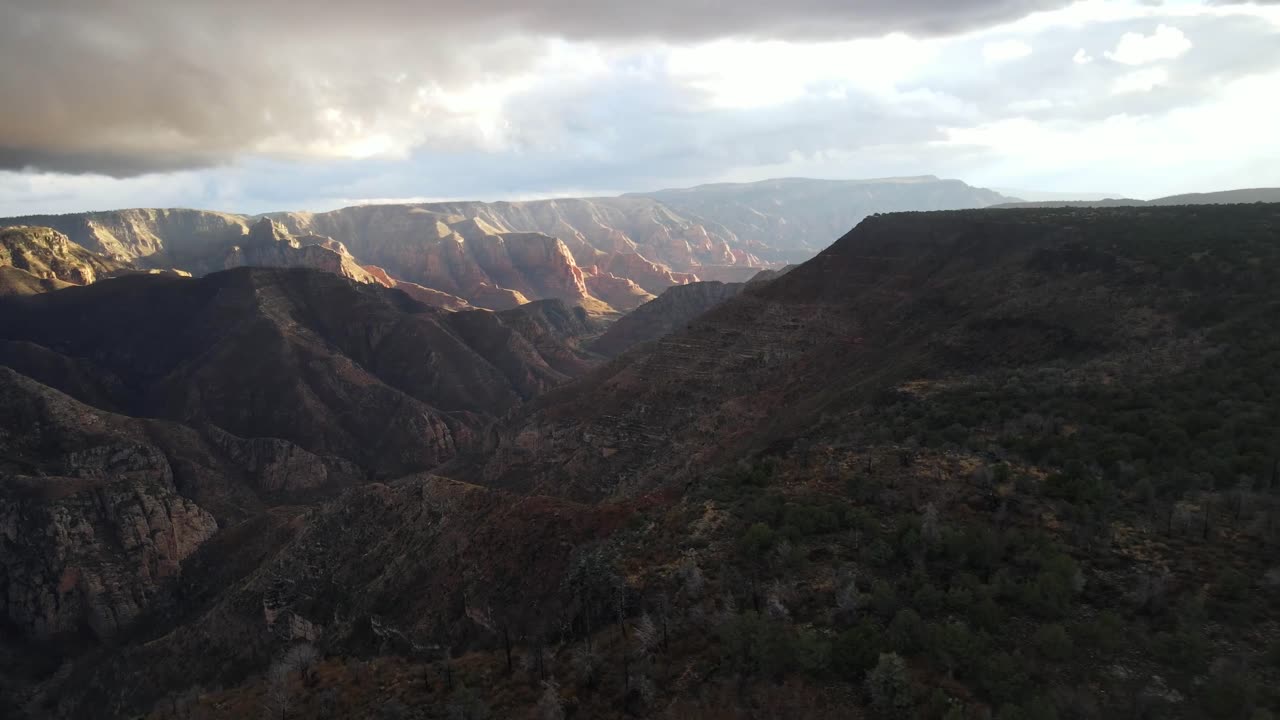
x=493, y=255
x=92, y=523
x=426, y=295
x=191, y=240
x=269, y=244
x=411, y=241
x=622, y=294
x=650, y=276
x=48, y=255
x=728, y=273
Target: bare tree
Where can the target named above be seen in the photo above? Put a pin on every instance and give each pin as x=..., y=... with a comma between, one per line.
x=297, y=660
x=550, y=706
x=929, y=528
x=847, y=596
x=775, y=602
x=586, y=664
x=279, y=695
x=646, y=635
x=1152, y=590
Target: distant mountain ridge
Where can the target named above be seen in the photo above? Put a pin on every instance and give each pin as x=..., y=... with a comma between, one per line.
x=800, y=216
x=604, y=254
x=1223, y=197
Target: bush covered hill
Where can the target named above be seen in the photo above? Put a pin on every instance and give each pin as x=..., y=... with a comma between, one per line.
x=970, y=464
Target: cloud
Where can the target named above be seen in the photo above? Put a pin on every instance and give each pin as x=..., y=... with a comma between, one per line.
x=1139, y=81
x=1005, y=50
x=1166, y=43
x=1081, y=57
x=131, y=86
x=299, y=117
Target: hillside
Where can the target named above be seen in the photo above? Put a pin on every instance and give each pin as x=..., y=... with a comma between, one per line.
x=335, y=366
x=797, y=217
x=663, y=315
x=1017, y=463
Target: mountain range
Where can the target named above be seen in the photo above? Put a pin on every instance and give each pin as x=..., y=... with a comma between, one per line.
x=965, y=463
x=797, y=217
x=608, y=255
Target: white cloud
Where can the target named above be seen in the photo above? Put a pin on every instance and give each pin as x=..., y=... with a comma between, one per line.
x=1081, y=57
x=1166, y=43
x=1140, y=81
x=1025, y=106
x=1005, y=50
x=1146, y=152
x=738, y=74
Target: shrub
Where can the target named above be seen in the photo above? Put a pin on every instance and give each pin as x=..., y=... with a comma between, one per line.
x=756, y=542
x=906, y=632
x=1053, y=642
x=856, y=650
x=889, y=687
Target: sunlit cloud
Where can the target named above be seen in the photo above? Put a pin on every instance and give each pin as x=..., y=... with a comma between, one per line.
x=1166, y=43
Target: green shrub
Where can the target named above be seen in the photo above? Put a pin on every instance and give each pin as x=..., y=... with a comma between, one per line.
x=756, y=541
x=889, y=687
x=1052, y=642
x=855, y=651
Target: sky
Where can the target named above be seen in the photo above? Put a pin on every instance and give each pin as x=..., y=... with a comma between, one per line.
x=257, y=105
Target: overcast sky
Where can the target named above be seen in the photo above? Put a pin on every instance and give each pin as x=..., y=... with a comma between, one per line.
x=255, y=105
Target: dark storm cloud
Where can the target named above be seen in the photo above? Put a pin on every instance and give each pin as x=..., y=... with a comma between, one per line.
x=124, y=87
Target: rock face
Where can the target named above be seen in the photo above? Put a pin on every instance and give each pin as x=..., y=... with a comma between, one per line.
x=498, y=255
x=791, y=219
x=425, y=295
x=622, y=294
x=48, y=255
x=512, y=246
x=650, y=276
x=93, y=525
x=592, y=228
x=268, y=244
x=192, y=240
x=464, y=256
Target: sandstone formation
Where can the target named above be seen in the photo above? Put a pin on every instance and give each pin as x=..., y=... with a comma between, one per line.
x=494, y=255
x=269, y=244
x=622, y=294
x=45, y=254
x=191, y=240
x=425, y=295
x=650, y=276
